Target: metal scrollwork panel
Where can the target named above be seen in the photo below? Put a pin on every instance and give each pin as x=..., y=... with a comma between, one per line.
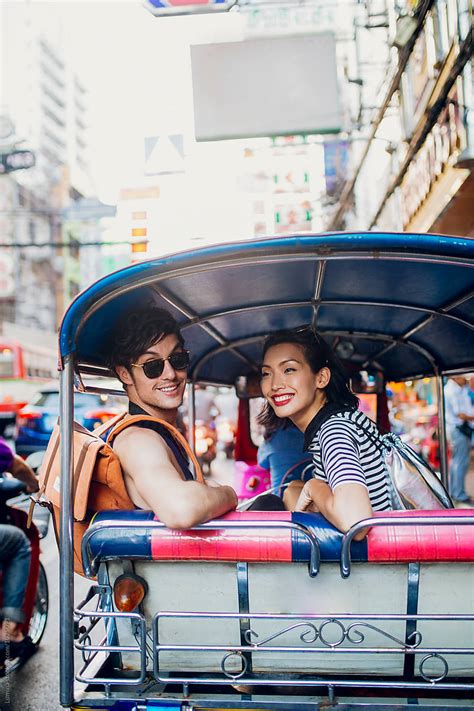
x=352, y=633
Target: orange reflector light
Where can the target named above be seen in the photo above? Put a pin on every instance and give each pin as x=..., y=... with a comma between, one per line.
x=129, y=591
x=139, y=231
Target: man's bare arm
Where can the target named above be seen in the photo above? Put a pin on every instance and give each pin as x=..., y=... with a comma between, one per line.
x=154, y=482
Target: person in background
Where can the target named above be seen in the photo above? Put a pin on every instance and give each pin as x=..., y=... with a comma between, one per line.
x=459, y=416
x=471, y=388
x=17, y=467
x=281, y=450
x=15, y=555
x=204, y=401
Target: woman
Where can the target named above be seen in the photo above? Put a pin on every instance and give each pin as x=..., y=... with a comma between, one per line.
x=303, y=380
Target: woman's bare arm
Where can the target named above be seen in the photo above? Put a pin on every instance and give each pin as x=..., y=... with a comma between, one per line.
x=346, y=505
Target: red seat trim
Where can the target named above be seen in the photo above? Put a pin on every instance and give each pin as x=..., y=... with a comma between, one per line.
x=226, y=545
x=434, y=543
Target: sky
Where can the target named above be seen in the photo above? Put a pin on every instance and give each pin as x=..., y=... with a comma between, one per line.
x=137, y=72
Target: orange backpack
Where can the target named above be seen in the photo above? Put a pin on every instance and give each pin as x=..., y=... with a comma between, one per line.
x=97, y=482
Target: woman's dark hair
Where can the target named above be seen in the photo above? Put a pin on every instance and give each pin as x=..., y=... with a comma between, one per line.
x=137, y=332
x=318, y=354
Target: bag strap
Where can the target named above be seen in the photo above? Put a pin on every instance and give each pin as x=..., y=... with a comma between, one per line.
x=52, y=451
x=109, y=424
x=130, y=420
x=376, y=439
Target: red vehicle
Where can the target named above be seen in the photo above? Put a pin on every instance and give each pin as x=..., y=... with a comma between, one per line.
x=23, y=370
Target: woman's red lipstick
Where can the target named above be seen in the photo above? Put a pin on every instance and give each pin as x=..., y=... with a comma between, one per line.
x=282, y=399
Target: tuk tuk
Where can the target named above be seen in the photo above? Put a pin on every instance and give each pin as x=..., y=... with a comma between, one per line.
x=278, y=610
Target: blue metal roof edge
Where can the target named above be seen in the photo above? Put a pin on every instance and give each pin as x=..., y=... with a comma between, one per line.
x=442, y=245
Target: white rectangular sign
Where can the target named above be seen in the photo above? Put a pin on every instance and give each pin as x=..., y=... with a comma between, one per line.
x=270, y=86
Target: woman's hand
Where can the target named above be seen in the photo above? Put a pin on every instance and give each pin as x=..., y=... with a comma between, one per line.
x=344, y=507
x=311, y=494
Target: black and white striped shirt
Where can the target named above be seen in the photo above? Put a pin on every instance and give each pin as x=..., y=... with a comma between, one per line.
x=343, y=453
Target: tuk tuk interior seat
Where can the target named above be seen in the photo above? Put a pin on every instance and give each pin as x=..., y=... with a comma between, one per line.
x=265, y=541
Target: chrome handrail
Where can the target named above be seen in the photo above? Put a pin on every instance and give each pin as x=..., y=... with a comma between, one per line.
x=395, y=521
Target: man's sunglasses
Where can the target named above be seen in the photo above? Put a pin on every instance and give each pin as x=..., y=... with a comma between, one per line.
x=154, y=368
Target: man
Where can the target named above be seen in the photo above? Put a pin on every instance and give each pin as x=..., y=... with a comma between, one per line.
x=459, y=416
x=149, y=358
x=15, y=554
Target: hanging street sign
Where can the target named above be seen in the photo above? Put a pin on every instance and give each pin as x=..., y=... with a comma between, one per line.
x=16, y=160
x=164, y=155
x=187, y=7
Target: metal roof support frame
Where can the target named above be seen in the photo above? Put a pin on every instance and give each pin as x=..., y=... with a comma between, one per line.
x=66, y=580
x=442, y=439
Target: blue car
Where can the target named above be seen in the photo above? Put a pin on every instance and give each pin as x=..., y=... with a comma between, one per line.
x=35, y=422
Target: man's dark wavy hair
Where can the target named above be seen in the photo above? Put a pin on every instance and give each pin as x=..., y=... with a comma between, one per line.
x=137, y=332
x=318, y=354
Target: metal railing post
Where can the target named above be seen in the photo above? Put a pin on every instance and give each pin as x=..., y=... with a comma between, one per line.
x=66, y=580
x=192, y=416
x=443, y=444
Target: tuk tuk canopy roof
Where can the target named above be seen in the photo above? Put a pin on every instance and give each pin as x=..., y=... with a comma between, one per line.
x=399, y=303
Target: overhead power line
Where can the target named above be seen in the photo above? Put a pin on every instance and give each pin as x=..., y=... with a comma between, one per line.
x=73, y=245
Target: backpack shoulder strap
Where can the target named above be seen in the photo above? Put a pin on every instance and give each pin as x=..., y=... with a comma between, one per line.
x=374, y=436
x=109, y=424
x=130, y=420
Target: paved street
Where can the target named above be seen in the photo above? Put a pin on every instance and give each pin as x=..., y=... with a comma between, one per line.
x=39, y=677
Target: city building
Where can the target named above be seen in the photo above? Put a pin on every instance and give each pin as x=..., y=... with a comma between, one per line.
x=89, y=244
x=46, y=102
x=413, y=169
